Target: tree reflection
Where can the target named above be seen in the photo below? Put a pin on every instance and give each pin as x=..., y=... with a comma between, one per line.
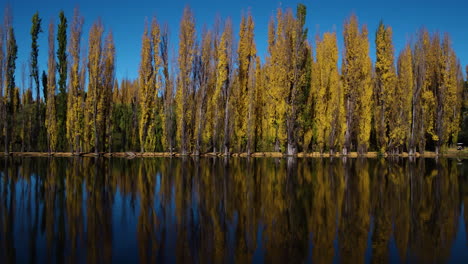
x=435, y=210
x=328, y=190
x=355, y=216
x=217, y=210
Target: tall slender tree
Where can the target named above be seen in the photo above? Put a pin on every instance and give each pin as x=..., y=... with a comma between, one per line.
x=224, y=82
x=149, y=85
x=185, y=80
x=385, y=84
x=400, y=109
x=246, y=53
x=356, y=69
x=106, y=100
x=11, y=55
x=2, y=74
x=35, y=30
x=51, y=115
x=327, y=95
x=92, y=115
x=168, y=95
x=203, y=71
x=62, y=64
x=75, y=99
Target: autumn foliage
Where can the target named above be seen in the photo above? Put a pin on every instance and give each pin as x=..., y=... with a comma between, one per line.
x=214, y=93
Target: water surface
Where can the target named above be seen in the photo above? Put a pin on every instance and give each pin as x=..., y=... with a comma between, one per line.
x=215, y=210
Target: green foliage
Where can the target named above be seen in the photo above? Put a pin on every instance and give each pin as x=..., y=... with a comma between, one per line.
x=62, y=82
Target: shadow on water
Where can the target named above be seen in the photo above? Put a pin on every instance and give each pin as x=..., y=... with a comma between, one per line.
x=232, y=210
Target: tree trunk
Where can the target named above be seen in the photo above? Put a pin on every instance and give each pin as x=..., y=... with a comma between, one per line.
x=348, y=127
x=226, y=130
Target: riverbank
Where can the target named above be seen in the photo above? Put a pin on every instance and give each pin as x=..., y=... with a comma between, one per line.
x=452, y=153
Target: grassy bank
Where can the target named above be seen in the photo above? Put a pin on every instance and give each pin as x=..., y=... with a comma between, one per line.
x=451, y=153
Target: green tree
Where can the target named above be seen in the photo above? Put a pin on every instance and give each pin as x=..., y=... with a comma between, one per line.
x=35, y=30
x=11, y=55
x=51, y=115
x=62, y=82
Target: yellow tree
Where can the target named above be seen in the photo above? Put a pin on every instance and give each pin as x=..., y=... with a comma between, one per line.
x=105, y=101
x=269, y=125
x=222, y=71
x=400, y=109
x=94, y=86
x=226, y=80
x=277, y=74
x=204, y=75
x=356, y=69
x=260, y=126
x=327, y=95
x=146, y=82
x=184, y=83
x=286, y=76
x=244, y=93
x=168, y=95
x=149, y=84
x=448, y=94
x=214, y=101
x=421, y=65
x=75, y=112
x=51, y=119
x=385, y=83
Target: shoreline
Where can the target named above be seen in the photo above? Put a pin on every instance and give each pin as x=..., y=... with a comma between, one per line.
x=427, y=154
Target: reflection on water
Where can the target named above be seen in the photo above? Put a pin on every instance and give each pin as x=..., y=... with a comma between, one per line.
x=86, y=210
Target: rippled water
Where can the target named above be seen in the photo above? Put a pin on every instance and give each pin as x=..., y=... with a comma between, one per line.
x=212, y=210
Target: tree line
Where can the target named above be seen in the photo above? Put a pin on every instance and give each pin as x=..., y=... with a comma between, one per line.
x=220, y=96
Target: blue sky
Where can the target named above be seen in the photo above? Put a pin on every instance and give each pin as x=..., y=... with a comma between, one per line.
x=126, y=19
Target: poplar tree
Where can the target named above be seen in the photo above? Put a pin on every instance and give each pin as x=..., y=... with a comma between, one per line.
x=448, y=94
x=287, y=78
x=35, y=30
x=94, y=86
x=168, y=95
x=400, y=109
x=203, y=76
x=224, y=83
x=51, y=118
x=105, y=105
x=356, y=68
x=327, y=95
x=276, y=80
x=62, y=82
x=149, y=85
x=75, y=101
x=214, y=101
x=185, y=80
x=11, y=55
x=385, y=84
x=2, y=74
x=244, y=93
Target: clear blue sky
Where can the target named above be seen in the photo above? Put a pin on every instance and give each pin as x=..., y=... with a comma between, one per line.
x=127, y=18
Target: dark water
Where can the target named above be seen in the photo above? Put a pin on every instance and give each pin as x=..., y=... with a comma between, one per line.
x=233, y=211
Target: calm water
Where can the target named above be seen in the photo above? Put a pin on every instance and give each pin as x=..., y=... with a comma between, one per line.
x=86, y=210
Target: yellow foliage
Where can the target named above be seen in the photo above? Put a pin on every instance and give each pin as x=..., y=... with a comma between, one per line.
x=357, y=84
